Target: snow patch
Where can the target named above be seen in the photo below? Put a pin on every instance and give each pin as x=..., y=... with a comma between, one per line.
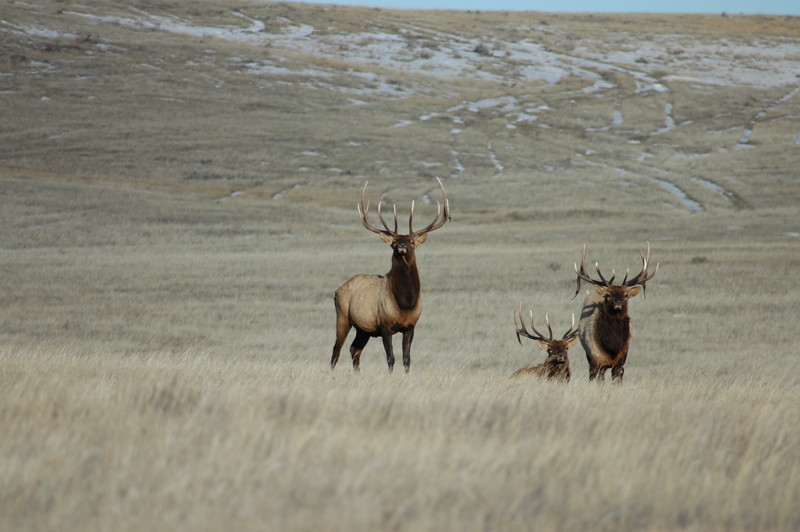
x=693, y=206
x=505, y=103
x=459, y=168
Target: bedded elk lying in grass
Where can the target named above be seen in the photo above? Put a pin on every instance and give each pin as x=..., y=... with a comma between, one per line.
x=382, y=305
x=556, y=365
x=605, y=327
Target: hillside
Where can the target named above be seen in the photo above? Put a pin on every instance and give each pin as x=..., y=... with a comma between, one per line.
x=272, y=98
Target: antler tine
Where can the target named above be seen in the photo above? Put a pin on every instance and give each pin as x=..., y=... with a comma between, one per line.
x=583, y=276
x=437, y=222
x=380, y=217
x=605, y=282
x=647, y=278
x=540, y=336
x=547, y=322
x=363, y=212
x=572, y=330
x=635, y=280
x=523, y=330
x=581, y=273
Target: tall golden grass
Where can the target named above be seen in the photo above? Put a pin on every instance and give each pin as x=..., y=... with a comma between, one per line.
x=200, y=441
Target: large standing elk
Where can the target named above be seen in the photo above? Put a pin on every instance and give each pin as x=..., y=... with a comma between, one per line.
x=382, y=305
x=605, y=327
x=556, y=365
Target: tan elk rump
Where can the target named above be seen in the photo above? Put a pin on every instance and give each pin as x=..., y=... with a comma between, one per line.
x=556, y=365
x=605, y=327
x=383, y=305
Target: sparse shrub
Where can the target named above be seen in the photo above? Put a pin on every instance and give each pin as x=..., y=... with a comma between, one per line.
x=482, y=49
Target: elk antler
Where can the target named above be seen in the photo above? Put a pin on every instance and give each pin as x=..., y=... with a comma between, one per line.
x=437, y=222
x=536, y=335
x=583, y=276
x=641, y=278
x=363, y=210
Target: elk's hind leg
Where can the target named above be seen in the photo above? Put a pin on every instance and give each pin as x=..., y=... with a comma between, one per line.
x=342, y=328
x=357, y=346
x=337, y=347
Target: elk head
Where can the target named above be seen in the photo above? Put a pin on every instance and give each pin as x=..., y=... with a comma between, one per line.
x=556, y=349
x=615, y=297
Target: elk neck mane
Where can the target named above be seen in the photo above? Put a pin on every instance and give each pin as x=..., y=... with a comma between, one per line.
x=612, y=331
x=403, y=281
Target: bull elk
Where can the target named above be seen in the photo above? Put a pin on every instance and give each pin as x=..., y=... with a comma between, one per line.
x=605, y=327
x=382, y=305
x=556, y=365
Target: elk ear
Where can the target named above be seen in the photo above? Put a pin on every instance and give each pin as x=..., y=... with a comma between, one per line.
x=633, y=291
x=600, y=290
x=387, y=239
x=572, y=341
x=420, y=239
x=542, y=345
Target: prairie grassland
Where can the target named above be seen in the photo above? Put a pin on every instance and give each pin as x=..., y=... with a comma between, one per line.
x=202, y=441
x=161, y=375
x=177, y=196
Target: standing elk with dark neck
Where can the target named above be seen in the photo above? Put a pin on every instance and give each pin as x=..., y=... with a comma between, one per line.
x=382, y=305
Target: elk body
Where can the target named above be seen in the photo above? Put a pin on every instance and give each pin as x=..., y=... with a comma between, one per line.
x=383, y=305
x=556, y=365
x=605, y=327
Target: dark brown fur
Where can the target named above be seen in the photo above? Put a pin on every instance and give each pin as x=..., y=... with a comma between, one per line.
x=605, y=331
x=605, y=327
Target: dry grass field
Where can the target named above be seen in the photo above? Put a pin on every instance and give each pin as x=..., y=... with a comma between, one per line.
x=178, y=185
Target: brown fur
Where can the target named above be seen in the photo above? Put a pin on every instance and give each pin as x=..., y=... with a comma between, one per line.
x=383, y=305
x=556, y=365
x=605, y=327
x=605, y=331
x=379, y=305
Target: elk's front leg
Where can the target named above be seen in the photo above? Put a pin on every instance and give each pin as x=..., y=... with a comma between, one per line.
x=408, y=337
x=597, y=373
x=387, y=345
x=619, y=368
